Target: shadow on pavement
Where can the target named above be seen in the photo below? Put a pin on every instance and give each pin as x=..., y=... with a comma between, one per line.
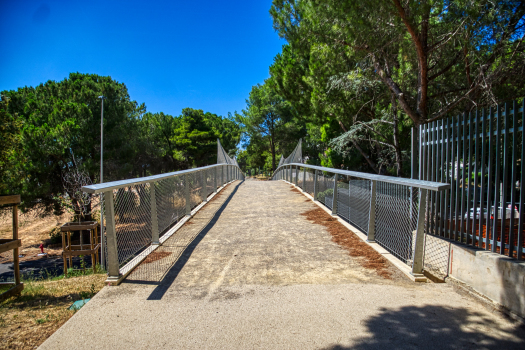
x=173, y=272
x=436, y=327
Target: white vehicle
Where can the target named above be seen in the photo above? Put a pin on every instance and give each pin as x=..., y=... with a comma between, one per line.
x=508, y=212
x=471, y=215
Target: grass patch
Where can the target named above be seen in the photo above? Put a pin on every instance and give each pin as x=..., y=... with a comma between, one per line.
x=28, y=320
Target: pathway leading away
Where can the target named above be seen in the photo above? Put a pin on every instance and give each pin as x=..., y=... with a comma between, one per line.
x=248, y=271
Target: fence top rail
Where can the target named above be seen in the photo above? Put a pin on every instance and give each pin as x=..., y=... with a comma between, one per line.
x=429, y=185
x=108, y=186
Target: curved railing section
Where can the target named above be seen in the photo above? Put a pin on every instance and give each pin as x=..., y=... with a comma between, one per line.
x=391, y=211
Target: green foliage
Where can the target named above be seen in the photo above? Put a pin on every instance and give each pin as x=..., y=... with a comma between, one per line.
x=53, y=129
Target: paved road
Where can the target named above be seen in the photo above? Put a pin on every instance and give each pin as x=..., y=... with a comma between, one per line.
x=250, y=272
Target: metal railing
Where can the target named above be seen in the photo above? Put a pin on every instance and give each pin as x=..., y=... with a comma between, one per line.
x=392, y=211
x=142, y=213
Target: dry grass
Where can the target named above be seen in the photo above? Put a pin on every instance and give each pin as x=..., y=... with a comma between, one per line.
x=365, y=254
x=28, y=320
x=34, y=229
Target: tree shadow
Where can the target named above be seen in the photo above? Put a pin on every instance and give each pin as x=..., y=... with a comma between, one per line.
x=436, y=327
x=169, y=277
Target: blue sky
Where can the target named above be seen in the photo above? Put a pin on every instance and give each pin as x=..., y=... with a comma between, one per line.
x=170, y=54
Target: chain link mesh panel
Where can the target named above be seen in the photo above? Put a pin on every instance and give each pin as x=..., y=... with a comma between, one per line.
x=396, y=219
x=132, y=220
x=171, y=202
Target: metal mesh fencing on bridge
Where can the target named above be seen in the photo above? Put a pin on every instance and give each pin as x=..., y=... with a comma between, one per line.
x=385, y=208
x=140, y=214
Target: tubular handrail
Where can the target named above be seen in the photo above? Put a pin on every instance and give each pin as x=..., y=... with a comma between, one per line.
x=108, y=186
x=428, y=185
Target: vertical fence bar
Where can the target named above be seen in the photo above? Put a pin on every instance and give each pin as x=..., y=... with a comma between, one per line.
x=371, y=235
x=453, y=180
x=496, y=183
x=458, y=195
x=513, y=176
x=441, y=194
x=153, y=213
x=463, y=194
x=111, y=234
x=490, y=181
x=296, y=176
x=476, y=183
x=334, y=204
x=483, y=184
x=446, y=216
x=468, y=182
x=505, y=158
x=522, y=184
x=417, y=266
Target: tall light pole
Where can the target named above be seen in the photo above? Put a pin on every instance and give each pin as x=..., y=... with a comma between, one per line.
x=103, y=241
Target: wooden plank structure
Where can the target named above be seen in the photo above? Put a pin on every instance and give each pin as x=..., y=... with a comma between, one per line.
x=69, y=250
x=12, y=244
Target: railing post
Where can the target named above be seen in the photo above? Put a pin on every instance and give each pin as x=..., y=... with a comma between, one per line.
x=154, y=220
x=111, y=234
x=290, y=173
x=187, y=194
x=304, y=179
x=371, y=237
x=204, y=189
x=296, y=176
x=316, y=187
x=215, y=180
x=417, y=265
x=334, y=204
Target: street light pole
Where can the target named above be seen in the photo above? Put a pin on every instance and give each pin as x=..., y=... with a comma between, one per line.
x=102, y=240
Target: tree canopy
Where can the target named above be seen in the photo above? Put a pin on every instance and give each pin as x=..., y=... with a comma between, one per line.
x=54, y=129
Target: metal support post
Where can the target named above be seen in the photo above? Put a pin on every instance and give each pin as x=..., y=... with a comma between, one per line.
x=296, y=175
x=372, y=220
x=304, y=179
x=215, y=180
x=154, y=220
x=316, y=187
x=417, y=265
x=334, y=204
x=289, y=173
x=187, y=194
x=112, y=257
x=204, y=188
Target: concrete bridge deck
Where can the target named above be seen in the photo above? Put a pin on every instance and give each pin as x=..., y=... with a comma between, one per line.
x=249, y=271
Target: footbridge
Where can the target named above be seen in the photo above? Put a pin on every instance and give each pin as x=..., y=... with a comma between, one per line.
x=317, y=258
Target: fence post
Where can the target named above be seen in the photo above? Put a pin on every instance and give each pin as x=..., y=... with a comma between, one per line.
x=290, y=173
x=187, y=194
x=204, y=188
x=111, y=234
x=296, y=175
x=154, y=220
x=371, y=237
x=417, y=265
x=304, y=179
x=215, y=180
x=316, y=187
x=334, y=204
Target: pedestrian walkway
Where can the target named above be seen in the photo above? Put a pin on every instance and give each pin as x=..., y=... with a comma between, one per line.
x=249, y=271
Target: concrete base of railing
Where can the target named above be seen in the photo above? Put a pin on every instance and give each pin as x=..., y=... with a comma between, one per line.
x=405, y=269
x=130, y=266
